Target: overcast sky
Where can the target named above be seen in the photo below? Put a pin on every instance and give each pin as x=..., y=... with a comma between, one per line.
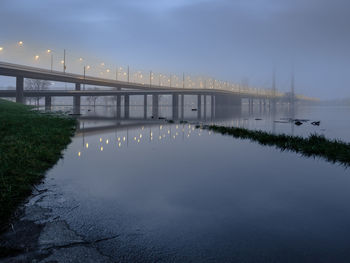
x=231, y=40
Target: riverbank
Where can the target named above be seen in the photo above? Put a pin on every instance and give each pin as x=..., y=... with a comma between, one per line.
x=31, y=142
x=334, y=151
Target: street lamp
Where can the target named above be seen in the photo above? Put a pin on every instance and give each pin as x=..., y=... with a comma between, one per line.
x=1, y=49
x=49, y=51
x=20, y=43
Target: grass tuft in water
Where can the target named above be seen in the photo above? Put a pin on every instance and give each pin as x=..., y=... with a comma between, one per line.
x=31, y=142
x=335, y=151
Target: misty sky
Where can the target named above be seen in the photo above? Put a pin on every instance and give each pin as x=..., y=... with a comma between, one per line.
x=231, y=40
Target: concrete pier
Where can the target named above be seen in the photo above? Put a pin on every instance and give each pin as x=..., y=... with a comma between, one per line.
x=199, y=106
x=155, y=104
x=119, y=106
x=175, y=106
x=19, y=89
x=145, y=106
x=182, y=105
x=126, y=106
x=76, y=100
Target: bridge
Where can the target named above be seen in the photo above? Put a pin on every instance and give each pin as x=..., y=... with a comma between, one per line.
x=223, y=96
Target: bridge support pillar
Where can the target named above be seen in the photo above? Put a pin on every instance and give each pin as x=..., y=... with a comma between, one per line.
x=119, y=106
x=182, y=105
x=175, y=106
x=155, y=103
x=145, y=106
x=126, y=106
x=76, y=100
x=47, y=103
x=19, y=89
x=199, y=106
x=205, y=107
x=212, y=106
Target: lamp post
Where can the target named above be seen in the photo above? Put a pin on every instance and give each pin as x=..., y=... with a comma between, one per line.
x=64, y=61
x=128, y=74
x=49, y=51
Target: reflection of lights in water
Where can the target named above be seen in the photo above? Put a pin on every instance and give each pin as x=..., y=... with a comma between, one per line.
x=87, y=145
x=100, y=139
x=107, y=141
x=118, y=139
x=168, y=132
x=138, y=140
x=151, y=133
x=101, y=148
x=134, y=138
x=124, y=138
x=140, y=135
x=79, y=153
x=119, y=144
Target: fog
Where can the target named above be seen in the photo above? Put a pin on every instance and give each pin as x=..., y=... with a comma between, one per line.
x=233, y=40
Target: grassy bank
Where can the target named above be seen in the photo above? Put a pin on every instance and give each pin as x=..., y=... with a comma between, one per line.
x=30, y=143
x=334, y=151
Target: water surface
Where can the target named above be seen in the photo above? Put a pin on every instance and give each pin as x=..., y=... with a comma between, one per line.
x=173, y=193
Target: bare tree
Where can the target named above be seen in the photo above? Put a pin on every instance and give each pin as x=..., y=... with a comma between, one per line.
x=37, y=85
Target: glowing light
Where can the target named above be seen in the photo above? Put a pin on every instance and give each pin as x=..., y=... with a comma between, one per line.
x=134, y=138
x=151, y=133
x=80, y=59
x=36, y=57
x=160, y=137
x=108, y=70
x=87, y=67
x=101, y=148
x=119, y=144
x=138, y=140
x=100, y=139
x=118, y=139
x=87, y=145
x=168, y=131
x=62, y=61
x=20, y=43
x=79, y=153
x=48, y=51
x=102, y=64
x=1, y=48
x=124, y=138
x=107, y=141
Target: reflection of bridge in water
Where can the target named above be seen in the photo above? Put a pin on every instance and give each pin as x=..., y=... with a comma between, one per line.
x=217, y=98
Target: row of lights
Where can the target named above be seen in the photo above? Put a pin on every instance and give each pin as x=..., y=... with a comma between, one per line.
x=210, y=83
x=138, y=138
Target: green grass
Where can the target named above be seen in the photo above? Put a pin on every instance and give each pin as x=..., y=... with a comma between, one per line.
x=31, y=142
x=334, y=151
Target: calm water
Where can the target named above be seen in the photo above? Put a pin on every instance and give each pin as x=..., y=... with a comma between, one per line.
x=173, y=193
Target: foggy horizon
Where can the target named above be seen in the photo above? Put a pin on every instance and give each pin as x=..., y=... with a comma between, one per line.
x=233, y=41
